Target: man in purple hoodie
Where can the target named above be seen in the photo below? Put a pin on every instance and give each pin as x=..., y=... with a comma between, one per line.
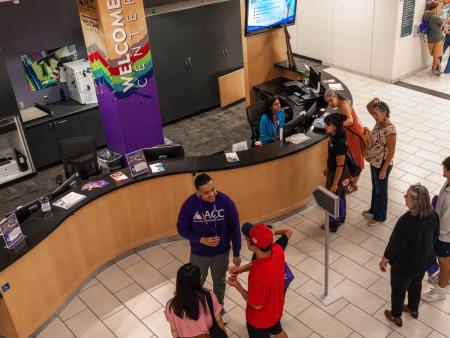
x=210, y=221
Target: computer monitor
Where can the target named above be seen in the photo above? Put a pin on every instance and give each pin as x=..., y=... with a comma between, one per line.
x=295, y=126
x=310, y=112
x=162, y=152
x=314, y=79
x=65, y=186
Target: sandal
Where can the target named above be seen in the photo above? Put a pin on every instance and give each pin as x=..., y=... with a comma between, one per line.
x=396, y=320
x=352, y=188
x=414, y=314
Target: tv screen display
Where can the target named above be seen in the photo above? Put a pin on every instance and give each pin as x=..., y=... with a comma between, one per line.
x=263, y=15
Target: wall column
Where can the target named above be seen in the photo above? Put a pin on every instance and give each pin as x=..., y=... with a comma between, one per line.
x=116, y=38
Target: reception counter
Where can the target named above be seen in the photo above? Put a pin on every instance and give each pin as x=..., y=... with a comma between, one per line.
x=67, y=246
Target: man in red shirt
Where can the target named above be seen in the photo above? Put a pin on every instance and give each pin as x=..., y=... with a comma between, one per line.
x=265, y=295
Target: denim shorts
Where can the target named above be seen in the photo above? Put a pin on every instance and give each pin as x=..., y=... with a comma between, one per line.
x=442, y=249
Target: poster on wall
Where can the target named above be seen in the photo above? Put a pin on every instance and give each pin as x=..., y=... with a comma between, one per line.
x=42, y=68
x=409, y=7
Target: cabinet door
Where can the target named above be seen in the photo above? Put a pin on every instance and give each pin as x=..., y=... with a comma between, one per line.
x=8, y=103
x=187, y=55
x=42, y=143
x=162, y=67
x=92, y=126
x=68, y=127
x=214, y=46
x=233, y=38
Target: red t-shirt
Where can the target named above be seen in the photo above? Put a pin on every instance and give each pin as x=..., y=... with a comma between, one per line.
x=266, y=289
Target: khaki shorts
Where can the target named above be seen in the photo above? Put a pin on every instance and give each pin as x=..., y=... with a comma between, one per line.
x=436, y=49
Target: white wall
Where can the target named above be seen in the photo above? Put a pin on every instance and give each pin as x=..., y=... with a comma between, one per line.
x=314, y=27
x=359, y=35
x=383, y=43
x=411, y=53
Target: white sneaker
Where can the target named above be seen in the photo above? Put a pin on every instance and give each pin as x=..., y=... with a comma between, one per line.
x=434, y=279
x=435, y=295
x=225, y=317
x=367, y=214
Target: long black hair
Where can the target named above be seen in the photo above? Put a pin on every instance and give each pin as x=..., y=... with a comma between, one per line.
x=189, y=293
x=269, y=103
x=336, y=120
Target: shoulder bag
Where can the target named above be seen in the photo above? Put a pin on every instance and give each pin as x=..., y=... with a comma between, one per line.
x=215, y=331
x=364, y=139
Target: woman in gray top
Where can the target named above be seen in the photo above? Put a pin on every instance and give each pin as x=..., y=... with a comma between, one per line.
x=442, y=246
x=435, y=37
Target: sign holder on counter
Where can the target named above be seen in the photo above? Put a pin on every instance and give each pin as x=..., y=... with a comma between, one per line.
x=329, y=203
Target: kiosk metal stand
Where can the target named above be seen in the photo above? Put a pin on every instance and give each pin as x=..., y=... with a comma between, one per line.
x=329, y=203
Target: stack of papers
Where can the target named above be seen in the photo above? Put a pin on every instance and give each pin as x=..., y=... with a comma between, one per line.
x=157, y=168
x=336, y=86
x=297, y=138
x=69, y=200
x=119, y=176
x=232, y=157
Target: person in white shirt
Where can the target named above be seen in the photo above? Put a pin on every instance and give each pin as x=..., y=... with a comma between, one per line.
x=442, y=246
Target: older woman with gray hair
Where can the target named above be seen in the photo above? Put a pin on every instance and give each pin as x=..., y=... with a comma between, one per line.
x=409, y=252
x=380, y=155
x=354, y=130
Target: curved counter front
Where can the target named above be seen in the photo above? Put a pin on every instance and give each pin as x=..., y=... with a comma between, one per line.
x=65, y=248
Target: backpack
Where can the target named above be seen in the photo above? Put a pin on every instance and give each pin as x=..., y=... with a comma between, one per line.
x=424, y=26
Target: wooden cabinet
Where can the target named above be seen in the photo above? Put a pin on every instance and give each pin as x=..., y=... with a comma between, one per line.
x=43, y=138
x=191, y=48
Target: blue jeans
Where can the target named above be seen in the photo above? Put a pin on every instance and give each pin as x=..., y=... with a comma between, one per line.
x=379, y=203
x=446, y=45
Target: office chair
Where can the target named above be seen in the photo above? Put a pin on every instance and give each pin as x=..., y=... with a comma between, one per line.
x=79, y=154
x=254, y=113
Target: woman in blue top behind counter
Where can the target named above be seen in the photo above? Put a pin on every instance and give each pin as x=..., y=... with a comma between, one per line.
x=271, y=121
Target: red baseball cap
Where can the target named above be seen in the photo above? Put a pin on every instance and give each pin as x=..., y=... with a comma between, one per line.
x=261, y=236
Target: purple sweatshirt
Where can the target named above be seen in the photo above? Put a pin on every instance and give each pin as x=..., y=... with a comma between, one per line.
x=198, y=218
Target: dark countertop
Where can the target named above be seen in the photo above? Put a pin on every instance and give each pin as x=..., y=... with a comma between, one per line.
x=38, y=226
x=60, y=110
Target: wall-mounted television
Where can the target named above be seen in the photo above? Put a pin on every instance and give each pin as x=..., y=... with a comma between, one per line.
x=263, y=15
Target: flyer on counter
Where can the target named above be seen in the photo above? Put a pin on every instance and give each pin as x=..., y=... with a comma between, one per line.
x=336, y=86
x=137, y=163
x=157, y=168
x=232, y=157
x=94, y=185
x=69, y=200
x=11, y=231
x=119, y=176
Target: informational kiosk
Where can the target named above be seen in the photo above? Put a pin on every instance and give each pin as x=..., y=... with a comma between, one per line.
x=329, y=203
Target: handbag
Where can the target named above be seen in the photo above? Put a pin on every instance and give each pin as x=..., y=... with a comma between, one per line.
x=288, y=276
x=215, y=331
x=364, y=139
x=353, y=167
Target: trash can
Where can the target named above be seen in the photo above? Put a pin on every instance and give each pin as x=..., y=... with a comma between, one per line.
x=110, y=160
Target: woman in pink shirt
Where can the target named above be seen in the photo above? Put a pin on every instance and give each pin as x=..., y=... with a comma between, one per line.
x=188, y=313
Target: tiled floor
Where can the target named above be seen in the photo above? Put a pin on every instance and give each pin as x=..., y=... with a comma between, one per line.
x=127, y=298
x=424, y=79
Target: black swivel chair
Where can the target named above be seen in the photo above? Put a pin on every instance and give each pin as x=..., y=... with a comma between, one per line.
x=254, y=113
x=79, y=154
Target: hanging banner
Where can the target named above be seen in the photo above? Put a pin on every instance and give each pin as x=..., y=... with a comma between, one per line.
x=116, y=37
